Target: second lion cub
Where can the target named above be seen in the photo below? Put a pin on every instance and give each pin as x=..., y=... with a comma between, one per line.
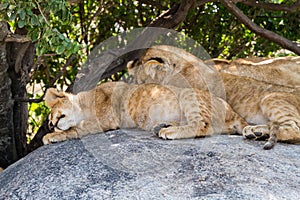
x=171, y=112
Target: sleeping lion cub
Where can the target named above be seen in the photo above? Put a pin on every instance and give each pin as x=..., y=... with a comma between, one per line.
x=272, y=110
x=170, y=112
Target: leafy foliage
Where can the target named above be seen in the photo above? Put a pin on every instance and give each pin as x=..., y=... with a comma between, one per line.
x=39, y=18
x=223, y=36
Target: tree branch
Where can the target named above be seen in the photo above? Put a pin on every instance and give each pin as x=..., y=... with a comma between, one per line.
x=174, y=16
x=283, y=42
x=273, y=6
x=16, y=38
x=60, y=73
x=202, y=2
x=110, y=62
x=154, y=3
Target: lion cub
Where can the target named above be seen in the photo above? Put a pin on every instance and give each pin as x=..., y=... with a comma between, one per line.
x=170, y=112
x=283, y=71
x=273, y=110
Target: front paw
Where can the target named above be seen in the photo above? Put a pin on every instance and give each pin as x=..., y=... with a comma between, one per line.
x=169, y=133
x=157, y=128
x=259, y=132
x=54, y=137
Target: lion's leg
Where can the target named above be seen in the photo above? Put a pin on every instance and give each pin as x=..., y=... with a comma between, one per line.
x=185, y=131
x=60, y=136
x=84, y=128
x=281, y=110
x=197, y=113
x=234, y=123
x=284, y=119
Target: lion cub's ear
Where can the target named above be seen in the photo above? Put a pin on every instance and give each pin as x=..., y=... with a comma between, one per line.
x=131, y=68
x=52, y=96
x=130, y=64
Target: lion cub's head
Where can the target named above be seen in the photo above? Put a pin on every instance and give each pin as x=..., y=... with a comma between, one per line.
x=153, y=70
x=65, y=112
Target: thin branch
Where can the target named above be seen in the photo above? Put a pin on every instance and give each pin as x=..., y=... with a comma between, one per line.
x=174, y=16
x=109, y=63
x=16, y=38
x=40, y=9
x=202, y=2
x=20, y=99
x=73, y=1
x=154, y=3
x=97, y=13
x=273, y=6
x=283, y=42
x=60, y=73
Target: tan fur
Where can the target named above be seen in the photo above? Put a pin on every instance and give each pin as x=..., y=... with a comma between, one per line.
x=274, y=107
x=173, y=112
x=280, y=71
x=1, y=169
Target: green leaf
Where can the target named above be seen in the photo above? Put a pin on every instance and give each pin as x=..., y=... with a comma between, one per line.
x=29, y=12
x=22, y=14
x=4, y=6
x=61, y=36
x=11, y=7
x=13, y=16
x=66, y=44
x=41, y=19
x=34, y=35
x=68, y=53
x=34, y=20
x=74, y=50
x=38, y=111
x=60, y=49
x=67, y=40
x=64, y=14
x=53, y=41
x=21, y=23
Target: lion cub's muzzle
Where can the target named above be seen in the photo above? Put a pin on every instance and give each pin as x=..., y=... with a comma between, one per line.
x=51, y=126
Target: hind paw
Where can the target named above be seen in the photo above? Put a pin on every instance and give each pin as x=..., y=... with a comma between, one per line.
x=259, y=132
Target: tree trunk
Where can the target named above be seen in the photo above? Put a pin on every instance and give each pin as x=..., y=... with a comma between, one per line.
x=16, y=59
x=8, y=152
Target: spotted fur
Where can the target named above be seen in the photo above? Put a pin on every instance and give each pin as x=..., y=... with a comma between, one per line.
x=273, y=110
x=171, y=112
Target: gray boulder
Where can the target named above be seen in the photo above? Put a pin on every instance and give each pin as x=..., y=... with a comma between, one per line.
x=132, y=164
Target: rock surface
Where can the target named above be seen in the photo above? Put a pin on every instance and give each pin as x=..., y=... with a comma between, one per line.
x=132, y=164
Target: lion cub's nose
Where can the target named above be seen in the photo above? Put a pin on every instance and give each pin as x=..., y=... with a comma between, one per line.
x=51, y=126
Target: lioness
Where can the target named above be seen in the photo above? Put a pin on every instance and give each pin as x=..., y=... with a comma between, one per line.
x=273, y=110
x=170, y=112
